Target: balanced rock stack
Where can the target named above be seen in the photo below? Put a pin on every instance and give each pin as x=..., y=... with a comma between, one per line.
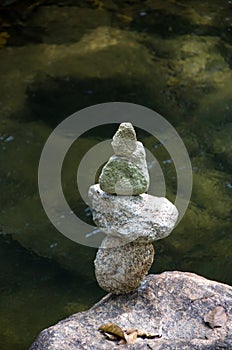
x=130, y=218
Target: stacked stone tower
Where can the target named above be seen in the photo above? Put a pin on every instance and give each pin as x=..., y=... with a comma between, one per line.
x=130, y=218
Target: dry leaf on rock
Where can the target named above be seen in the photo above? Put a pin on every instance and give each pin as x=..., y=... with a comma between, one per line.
x=131, y=336
x=216, y=317
x=113, y=329
x=114, y=332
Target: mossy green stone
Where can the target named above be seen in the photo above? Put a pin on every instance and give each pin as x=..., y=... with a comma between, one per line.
x=123, y=177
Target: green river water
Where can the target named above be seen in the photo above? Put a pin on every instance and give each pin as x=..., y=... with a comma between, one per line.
x=174, y=57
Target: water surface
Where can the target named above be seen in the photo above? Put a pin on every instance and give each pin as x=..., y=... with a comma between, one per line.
x=59, y=57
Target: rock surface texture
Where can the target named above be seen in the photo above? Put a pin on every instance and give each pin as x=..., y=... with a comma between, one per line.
x=119, y=267
x=172, y=304
x=124, y=141
x=131, y=218
x=145, y=217
x=126, y=172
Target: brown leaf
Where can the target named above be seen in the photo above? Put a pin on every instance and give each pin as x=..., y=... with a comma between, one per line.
x=131, y=337
x=216, y=317
x=113, y=332
x=131, y=330
x=112, y=328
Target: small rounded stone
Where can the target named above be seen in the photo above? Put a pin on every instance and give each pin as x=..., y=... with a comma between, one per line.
x=124, y=140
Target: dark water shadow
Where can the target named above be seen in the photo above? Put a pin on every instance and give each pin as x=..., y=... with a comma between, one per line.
x=54, y=99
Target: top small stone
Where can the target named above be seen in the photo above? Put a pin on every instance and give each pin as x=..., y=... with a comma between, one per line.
x=124, y=141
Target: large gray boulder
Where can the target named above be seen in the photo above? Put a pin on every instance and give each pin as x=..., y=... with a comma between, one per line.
x=171, y=306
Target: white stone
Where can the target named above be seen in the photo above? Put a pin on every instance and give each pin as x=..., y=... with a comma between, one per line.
x=143, y=217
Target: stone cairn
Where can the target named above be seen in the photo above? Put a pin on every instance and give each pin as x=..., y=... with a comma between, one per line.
x=130, y=218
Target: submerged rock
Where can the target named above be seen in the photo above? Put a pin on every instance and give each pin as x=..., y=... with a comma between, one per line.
x=171, y=306
x=222, y=145
x=146, y=217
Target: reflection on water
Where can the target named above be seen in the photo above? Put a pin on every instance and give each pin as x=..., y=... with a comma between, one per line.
x=173, y=57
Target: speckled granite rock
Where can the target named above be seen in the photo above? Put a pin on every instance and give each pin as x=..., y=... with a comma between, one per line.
x=145, y=217
x=176, y=300
x=120, y=267
x=126, y=172
x=124, y=140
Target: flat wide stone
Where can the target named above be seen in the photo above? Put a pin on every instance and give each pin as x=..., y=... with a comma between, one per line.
x=144, y=217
